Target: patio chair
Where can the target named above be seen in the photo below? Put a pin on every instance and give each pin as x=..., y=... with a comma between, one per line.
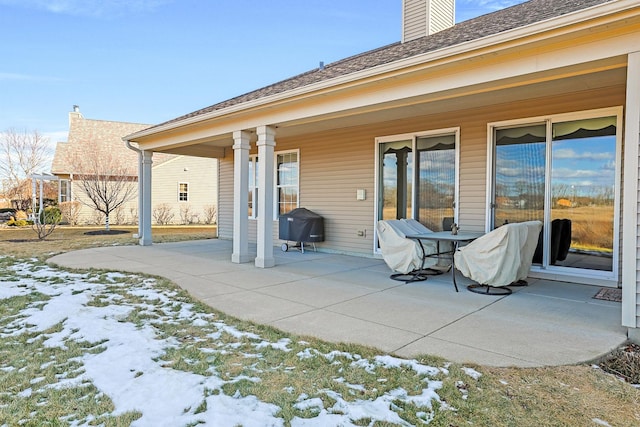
x=402, y=255
x=500, y=258
x=559, y=244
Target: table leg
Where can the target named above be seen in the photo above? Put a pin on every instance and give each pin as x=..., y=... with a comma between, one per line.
x=453, y=264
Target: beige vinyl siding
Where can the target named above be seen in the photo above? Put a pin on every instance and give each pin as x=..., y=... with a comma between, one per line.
x=440, y=15
x=336, y=163
x=414, y=15
x=199, y=173
x=424, y=17
x=225, y=198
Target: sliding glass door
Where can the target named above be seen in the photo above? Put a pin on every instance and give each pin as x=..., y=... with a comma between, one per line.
x=417, y=178
x=583, y=183
x=563, y=173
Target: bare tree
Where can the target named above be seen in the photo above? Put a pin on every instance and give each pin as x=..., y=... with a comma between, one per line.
x=70, y=211
x=105, y=180
x=22, y=153
x=46, y=221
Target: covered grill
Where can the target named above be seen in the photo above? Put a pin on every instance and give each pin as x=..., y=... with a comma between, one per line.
x=301, y=226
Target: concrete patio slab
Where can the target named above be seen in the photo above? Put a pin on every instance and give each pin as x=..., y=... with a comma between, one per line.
x=461, y=353
x=337, y=327
x=260, y=308
x=352, y=299
x=317, y=292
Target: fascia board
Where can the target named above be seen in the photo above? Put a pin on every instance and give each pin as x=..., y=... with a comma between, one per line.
x=513, y=38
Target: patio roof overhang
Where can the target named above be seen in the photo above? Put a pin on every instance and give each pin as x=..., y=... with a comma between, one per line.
x=568, y=54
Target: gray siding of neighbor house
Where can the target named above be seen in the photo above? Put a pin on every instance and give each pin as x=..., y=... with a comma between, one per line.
x=201, y=175
x=336, y=163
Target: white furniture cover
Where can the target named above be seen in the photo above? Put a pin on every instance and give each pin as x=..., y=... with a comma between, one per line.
x=401, y=254
x=502, y=256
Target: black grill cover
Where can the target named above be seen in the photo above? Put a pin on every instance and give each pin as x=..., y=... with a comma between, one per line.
x=301, y=225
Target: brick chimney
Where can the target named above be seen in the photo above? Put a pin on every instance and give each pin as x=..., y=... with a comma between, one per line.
x=424, y=17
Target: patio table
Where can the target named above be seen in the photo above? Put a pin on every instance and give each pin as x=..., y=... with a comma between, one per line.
x=445, y=236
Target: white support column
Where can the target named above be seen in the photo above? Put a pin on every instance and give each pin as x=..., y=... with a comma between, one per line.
x=630, y=205
x=266, y=144
x=144, y=213
x=241, y=148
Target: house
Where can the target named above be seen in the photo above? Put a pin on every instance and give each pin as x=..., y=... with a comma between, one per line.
x=491, y=120
x=184, y=187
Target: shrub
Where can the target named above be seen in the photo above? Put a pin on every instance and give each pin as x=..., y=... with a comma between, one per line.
x=210, y=214
x=50, y=215
x=18, y=222
x=162, y=213
x=48, y=219
x=71, y=211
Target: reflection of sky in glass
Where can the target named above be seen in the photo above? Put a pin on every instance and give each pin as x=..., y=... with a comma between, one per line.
x=584, y=164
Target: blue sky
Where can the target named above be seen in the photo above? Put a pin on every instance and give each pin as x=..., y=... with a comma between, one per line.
x=147, y=61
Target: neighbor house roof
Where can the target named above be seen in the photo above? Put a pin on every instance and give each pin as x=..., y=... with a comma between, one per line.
x=517, y=16
x=86, y=134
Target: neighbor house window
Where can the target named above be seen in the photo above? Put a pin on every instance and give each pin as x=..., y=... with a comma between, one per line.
x=65, y=191
x=287, y=170
x=183, y=192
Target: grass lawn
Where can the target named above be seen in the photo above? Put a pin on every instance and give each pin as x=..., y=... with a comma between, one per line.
x=107, y=348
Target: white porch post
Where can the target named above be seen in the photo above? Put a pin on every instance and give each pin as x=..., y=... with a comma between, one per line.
x=144, y=205
x=630, y=205
x=266, y=144
x=241, y=148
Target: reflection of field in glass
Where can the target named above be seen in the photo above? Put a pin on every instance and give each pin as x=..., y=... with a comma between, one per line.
x=591, y=226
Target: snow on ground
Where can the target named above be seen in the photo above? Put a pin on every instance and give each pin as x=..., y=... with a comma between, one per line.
x=130, y=369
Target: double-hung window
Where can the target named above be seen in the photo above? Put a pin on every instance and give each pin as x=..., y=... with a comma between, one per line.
x=65, y=191
x=287, y=188
x=253, y=186
x=183, y=192
x=287, y=168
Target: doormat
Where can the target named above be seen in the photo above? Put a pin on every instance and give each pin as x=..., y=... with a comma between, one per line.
x=609, y=294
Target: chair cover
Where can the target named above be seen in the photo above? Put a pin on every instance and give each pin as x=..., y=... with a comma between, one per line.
x=401, y=254
x=502, y=256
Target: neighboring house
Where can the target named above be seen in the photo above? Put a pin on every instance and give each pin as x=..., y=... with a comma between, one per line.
x=492, y=120
x=184, y=190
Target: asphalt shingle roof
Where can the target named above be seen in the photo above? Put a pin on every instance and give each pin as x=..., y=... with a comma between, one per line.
x=85, y=134
x=503, y=20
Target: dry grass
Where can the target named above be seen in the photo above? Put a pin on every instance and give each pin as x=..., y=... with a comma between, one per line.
x=22, y=242
x=558, y=396
x=591, y=226
x=551, y=396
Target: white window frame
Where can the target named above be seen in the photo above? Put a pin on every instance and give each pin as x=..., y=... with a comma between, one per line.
x=253, y=183
x=596, y=277
x=414, y=139
x=64, y=195
x=276, y=193
x=180, y=191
